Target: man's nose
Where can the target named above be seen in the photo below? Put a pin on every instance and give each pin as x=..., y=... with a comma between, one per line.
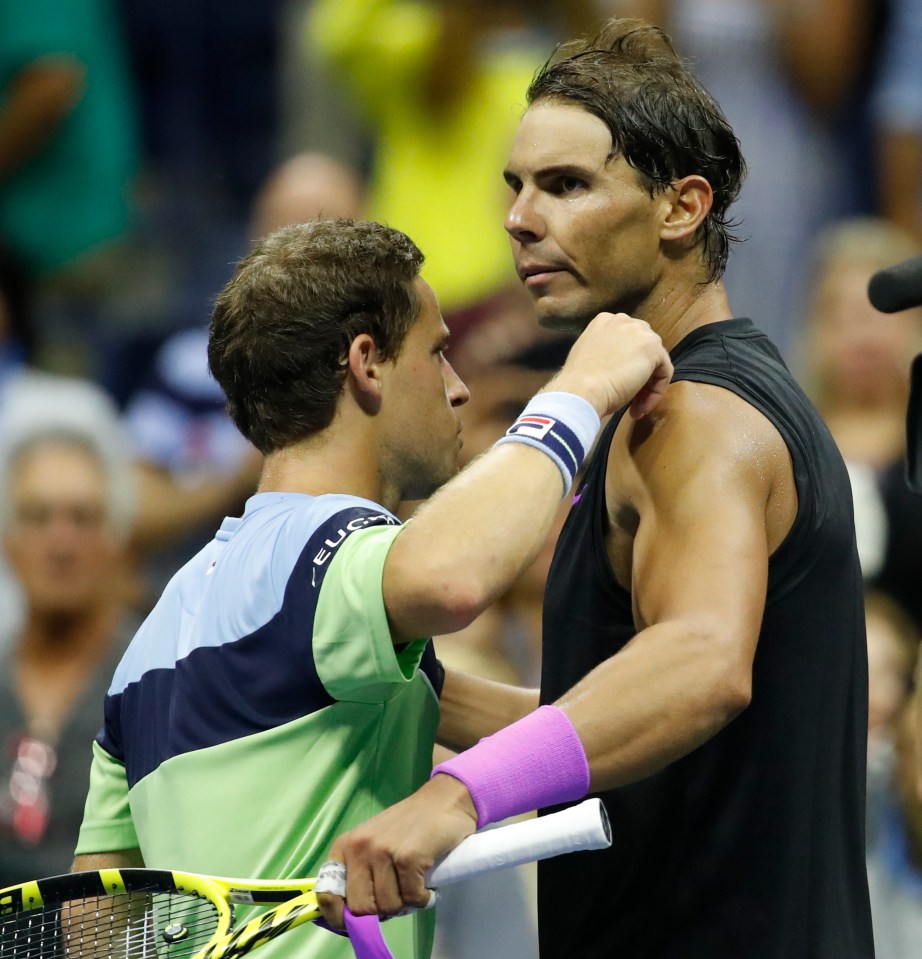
x=458, y=393
x=523, y=222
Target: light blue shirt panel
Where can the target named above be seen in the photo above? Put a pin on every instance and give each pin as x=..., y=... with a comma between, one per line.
x=236, y=584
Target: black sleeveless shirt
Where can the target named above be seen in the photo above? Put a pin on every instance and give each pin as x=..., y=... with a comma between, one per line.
x=751, y=846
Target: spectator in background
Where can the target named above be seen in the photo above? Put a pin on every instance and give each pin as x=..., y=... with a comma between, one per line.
x=68, y=149
x=790, y=77
x=893, y=645
x=192, y=464
x=856, y=366
x=65, y=511
x=306, y=186
x=32, y=399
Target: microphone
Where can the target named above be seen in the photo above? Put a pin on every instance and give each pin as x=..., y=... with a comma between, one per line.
x=914, y=428
x=890, y=291
x=898, y=287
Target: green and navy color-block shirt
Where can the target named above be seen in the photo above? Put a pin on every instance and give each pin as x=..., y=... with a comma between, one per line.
x=262, y=708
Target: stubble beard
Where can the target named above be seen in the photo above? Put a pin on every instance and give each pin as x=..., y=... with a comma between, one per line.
x=428, y=478
x=562, y=320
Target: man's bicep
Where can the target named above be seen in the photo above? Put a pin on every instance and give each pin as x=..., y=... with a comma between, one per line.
x=712, y=567
x=701, y=547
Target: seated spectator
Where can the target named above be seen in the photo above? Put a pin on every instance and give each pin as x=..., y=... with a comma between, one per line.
x=857, y=364
x=31, y=399
x=66, y=512
x=191, y=465
x=68, y=133
x=69, y=155
x=306, y=186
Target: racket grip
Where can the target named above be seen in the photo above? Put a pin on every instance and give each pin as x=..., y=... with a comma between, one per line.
x=581, y=827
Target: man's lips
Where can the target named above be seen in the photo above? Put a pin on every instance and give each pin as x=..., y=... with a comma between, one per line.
x=535, y=274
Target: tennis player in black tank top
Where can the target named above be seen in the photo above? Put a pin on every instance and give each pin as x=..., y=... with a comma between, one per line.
x=704, y=650
x=752, y=844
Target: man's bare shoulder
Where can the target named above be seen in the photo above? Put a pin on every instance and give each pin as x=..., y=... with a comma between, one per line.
x=699, y=431
x=703, y=459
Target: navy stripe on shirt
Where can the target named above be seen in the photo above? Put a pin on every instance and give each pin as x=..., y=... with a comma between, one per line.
x=220, y=693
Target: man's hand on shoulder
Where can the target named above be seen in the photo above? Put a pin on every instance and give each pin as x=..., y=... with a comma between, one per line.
x=617, y=360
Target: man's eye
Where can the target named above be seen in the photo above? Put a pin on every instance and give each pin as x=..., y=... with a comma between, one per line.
x=570, y=183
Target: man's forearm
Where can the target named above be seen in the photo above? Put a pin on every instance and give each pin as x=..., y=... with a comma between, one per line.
x=474, y=707
x=659, y=698
x=667, y=692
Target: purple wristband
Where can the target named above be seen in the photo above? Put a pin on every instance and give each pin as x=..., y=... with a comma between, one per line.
x=537, y=761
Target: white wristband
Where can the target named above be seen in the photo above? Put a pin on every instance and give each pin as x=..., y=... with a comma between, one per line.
x=562, y=425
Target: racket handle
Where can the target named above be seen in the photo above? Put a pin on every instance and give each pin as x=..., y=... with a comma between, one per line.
x=573, y=829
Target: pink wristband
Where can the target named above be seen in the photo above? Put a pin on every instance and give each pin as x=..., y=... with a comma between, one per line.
x=538, y=761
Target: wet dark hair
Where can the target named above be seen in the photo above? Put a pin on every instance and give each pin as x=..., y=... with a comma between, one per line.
x=282, y=327
x=662, y=121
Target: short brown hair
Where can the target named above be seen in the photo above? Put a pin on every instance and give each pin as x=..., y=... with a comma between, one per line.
x=281, y=328
x=661, y=120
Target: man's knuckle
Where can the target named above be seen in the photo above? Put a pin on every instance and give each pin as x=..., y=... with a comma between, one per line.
x=418, y=899
x=359, y=845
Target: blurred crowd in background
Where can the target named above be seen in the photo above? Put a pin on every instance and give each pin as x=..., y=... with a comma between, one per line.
x=144, y=146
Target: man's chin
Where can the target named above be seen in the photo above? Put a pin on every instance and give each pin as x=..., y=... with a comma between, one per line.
x=552, y=317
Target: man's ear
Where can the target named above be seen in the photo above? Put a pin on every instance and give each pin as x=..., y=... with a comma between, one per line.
x=364, y=363
x=689, y=202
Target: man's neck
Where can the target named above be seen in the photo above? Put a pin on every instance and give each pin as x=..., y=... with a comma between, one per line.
x=674, y=309
x=332, y=462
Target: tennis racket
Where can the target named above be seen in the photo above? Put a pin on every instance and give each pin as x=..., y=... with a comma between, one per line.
x=164, y=914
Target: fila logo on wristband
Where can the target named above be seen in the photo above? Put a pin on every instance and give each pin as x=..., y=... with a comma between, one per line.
x=561, y=425
x=536, y=426
x=551, y=435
